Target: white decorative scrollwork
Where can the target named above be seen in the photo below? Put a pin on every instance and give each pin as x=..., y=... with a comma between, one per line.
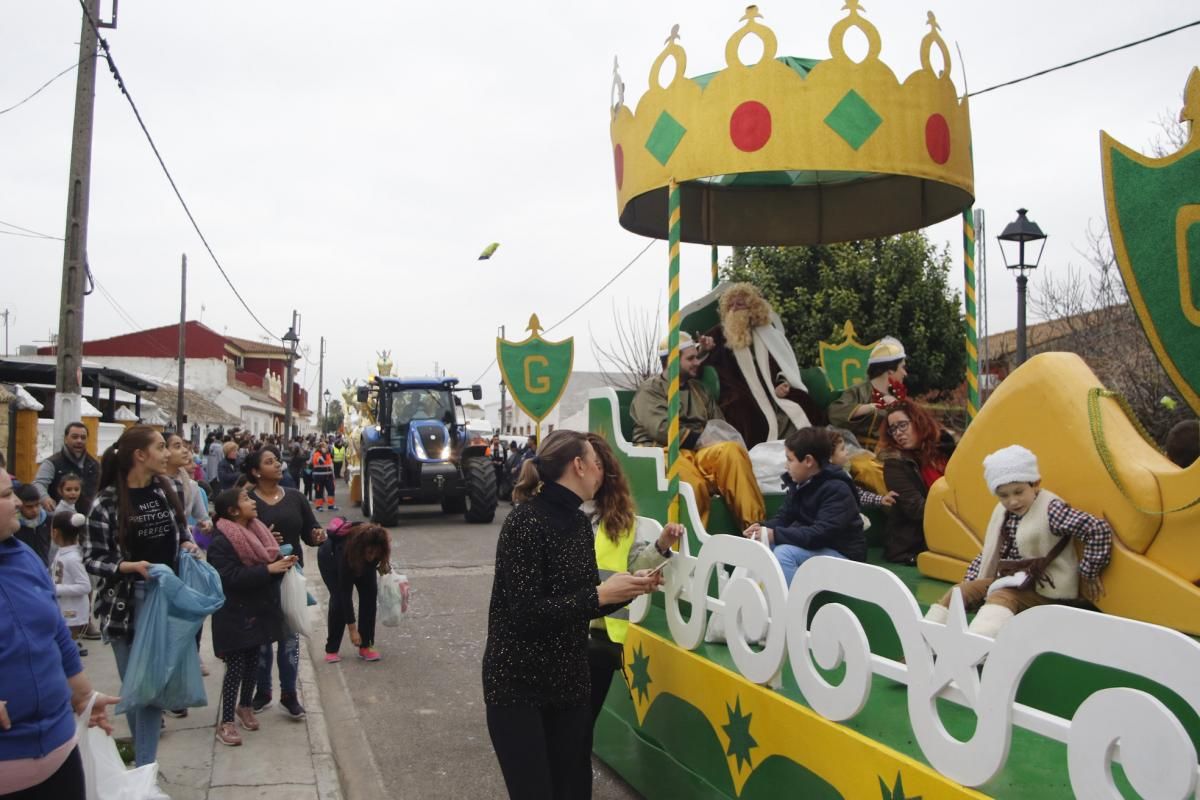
x=1156, y=752
x=754, y=598
x=942, y=662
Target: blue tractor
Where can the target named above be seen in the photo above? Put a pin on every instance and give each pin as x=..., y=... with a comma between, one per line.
x=420, y=450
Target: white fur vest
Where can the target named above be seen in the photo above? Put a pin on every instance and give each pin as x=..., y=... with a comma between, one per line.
x=1034, y=540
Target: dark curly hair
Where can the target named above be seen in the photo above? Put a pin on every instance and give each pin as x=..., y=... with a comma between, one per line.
x=364, y=536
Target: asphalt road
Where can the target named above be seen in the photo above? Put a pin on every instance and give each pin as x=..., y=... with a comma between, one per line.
x=421, y=707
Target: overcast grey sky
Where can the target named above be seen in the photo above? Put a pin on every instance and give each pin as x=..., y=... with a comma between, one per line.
x=350, y=160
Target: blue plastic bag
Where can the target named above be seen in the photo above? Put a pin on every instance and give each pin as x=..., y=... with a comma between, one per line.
x=164, y=667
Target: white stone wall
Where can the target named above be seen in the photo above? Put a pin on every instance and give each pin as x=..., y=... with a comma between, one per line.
x=201, y=374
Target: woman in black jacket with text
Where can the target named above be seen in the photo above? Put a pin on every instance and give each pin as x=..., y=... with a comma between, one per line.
x=547, y=588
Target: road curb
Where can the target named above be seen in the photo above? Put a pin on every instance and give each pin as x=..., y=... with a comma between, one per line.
x=349, y=755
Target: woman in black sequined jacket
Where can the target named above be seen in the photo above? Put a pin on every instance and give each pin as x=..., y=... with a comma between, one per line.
x=546, y=590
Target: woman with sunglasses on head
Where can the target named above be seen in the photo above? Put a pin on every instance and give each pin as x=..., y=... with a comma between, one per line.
x=914, y=450
x=137, y=520
x=614, y=515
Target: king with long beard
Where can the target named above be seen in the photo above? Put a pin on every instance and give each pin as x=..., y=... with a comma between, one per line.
x=762, y=393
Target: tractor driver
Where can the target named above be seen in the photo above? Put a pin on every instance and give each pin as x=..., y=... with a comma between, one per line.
x=724, y=466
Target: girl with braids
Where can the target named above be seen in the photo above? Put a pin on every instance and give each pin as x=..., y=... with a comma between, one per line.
x=349, y=560
x=247, y=557
x=137, y=520
x=290, y=518
x=535, y=666
x=615, y=517
x=914, y=450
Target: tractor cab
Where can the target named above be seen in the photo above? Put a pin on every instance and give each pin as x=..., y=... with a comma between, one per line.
x=420, y=450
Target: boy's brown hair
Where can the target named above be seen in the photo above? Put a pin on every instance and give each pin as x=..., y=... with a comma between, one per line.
x=815, y=442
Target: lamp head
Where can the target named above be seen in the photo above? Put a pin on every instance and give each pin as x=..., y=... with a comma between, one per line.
x=1019, y=232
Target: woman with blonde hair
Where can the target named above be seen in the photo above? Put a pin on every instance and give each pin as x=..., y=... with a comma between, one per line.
x=546, y=590
x=617, y=550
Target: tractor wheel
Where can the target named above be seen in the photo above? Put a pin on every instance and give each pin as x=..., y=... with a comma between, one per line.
x=365, y=489
x=481, y=490
x=454, y=505
x=385, y=492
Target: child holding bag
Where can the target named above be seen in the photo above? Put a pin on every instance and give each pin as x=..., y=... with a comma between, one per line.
x=246, y=556
x=349, y=560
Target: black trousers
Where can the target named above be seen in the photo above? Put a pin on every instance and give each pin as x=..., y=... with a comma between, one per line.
x=544, y=753
x=65, y=784
x=337, y=469
x=368, y=592
x=604, y=659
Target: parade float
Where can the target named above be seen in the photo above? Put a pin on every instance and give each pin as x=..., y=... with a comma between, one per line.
x=836, y=687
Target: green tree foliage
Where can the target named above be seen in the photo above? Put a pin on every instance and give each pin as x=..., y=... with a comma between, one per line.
x=898, y=286
x=334, y=415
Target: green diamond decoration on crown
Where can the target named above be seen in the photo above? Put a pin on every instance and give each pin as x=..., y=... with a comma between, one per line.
x=853, y=119
x=665, y=138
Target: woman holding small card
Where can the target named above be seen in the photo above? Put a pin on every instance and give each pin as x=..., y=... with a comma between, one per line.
x=547, y=588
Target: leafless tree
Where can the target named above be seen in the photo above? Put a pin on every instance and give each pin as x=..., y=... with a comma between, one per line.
x=632, y=356
x=1099, y=325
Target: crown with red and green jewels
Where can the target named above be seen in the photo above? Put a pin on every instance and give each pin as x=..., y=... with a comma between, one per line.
x=792, y=150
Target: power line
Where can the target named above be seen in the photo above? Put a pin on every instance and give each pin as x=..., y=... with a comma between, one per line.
x=30, y=235
x=28, y=231
x=580, y=307
x=116, y=73
x=38, y=91
x=1078, y=61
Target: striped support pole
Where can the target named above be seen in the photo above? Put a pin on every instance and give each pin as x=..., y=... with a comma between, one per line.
x=971, y=335
x=715, y=279
x=673, y=363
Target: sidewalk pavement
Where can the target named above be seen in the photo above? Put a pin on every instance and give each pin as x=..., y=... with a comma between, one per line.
x=285, y=760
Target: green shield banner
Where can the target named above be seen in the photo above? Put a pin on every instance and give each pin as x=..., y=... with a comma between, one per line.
x=1154, y=219
x=845, y=364
x=535, y=370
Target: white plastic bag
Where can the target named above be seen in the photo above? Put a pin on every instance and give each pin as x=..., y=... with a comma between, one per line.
x=293, y=596
x=717, y=431
x=104, y=773
x=769, y=460
x=393, y=599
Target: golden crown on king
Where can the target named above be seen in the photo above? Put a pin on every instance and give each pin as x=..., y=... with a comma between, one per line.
x=791, y=150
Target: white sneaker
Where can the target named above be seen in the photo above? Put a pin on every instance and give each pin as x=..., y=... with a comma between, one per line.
x=156, y=793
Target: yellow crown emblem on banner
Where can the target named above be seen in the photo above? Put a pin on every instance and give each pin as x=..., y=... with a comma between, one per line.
x=794, y=151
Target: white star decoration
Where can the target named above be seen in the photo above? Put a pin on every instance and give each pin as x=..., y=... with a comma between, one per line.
x=956, y=651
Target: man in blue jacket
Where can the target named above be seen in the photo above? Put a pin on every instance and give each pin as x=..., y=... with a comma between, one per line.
x=820, y=516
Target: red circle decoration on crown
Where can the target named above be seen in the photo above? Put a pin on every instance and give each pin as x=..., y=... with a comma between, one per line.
x=750, y=126
x=619, y=165
x=937, y=138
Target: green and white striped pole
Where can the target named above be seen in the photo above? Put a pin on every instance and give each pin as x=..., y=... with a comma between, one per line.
x=969, y=323
x=673, y=362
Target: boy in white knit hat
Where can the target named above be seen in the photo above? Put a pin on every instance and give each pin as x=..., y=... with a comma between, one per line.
x=1027, y=557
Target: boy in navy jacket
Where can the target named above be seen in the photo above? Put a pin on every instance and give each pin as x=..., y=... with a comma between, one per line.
x=820, y=516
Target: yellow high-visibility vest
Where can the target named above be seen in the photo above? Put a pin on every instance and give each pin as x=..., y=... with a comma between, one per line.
x=612, y=558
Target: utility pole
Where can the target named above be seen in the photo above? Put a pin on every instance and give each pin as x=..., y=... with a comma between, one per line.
x=5, y=315
x=502, y=392
x=69, y=369
x=179, y=410
x=291, y=338
x=321, y=388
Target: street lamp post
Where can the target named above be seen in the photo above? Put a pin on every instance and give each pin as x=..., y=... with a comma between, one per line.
x=323, y=422
x=291, y=340
x=1021, y=231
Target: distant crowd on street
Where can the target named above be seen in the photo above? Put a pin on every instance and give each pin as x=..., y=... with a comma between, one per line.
x=86, y=544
